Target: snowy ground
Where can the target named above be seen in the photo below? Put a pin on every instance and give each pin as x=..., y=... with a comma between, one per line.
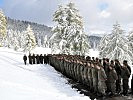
x=32, y=82
x=93, y=53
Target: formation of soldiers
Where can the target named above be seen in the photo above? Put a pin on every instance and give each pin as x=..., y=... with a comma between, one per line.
x=103, y=77
x=36, y=59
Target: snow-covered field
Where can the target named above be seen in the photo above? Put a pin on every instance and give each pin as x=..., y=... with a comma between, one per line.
x=93, y=53
x=32, y=82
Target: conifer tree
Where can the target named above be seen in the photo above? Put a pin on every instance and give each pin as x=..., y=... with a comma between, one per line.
x=130, y=39
x=59, y=29
x=8, y=40
x=3, y=27
x=21, y=39
x=30, y=41
x=15, y=41
x=78, y=39
x=69, y=32
x=45, y=43
x=117, y=46
x=103, y=42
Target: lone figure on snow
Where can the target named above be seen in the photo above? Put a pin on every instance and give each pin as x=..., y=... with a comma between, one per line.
x=25, y=59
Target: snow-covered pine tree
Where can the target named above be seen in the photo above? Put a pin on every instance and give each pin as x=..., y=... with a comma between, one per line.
x=103, y=42
x=130, y=40
x=69, y=32
x=78, y=39
x=3, y=27
x=59, y=29
x=7, y=42
x=15, y=41
x=21, y=39
x=45, y=43
x=84, y=44
x=79, y=44
x=30, y=41
x=117, y=46
x=12, y=39
x=39, y=42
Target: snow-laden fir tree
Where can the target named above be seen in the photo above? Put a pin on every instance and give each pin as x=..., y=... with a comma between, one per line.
x=8, y=40
x=69, y=33
x=79, y=44
x=39, y=41
x=117, y=46
x=3, y=27
x=130, y=40
x=30, y=41
x=59, y=29
x=78, y=39
x=11, y=40
x=103, y=42
x=14, y=39
x=45, y=43
x=21, y=39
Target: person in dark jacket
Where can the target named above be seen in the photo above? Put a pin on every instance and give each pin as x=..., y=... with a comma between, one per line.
x=104, y=63
x=125, y=74
x=129, y=68
x=106, y=69
x=95, y=77
x=37, y=59
x=88, y=58
x=41, y=58
x=25, y=59
x=33, y=58
x=100, y=61
x=118, y=71
x=112, y=77
x=93, y=59
x=132, y=85
x=30, y=59
x=112, y=63
x=44, y=59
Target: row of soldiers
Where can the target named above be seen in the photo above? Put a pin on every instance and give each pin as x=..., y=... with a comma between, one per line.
x=35, y=59
x=100, y=75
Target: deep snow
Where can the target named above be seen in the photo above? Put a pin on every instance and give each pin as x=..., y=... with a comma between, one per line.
x=32, y=82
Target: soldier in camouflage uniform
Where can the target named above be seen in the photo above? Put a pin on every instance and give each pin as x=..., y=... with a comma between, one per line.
x=118, y=71
x=95, y=77
x=112, y=77
x=101, y=80
x=106, y=69
x=85, y=73
x=125, y=74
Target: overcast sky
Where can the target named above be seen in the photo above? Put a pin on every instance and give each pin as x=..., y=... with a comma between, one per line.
x=98, y=15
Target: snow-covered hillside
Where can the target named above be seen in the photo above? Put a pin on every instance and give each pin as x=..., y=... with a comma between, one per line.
x=32, y=82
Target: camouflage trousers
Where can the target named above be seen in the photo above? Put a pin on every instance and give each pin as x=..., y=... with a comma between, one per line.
x=112, y=87
x=102, y=87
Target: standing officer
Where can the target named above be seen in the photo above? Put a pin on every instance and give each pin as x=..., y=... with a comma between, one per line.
x=25, y=59
x=30, y=59
x=33, y=58
x=125, y=74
